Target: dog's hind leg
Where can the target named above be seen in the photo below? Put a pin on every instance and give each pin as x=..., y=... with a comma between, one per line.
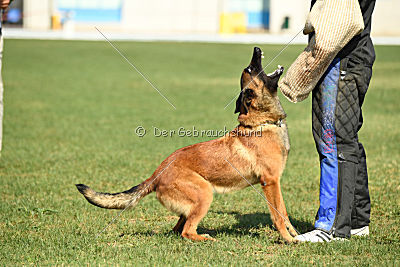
x=179, y=226
x=199, y=210
x=189, y=195
x=200, y=193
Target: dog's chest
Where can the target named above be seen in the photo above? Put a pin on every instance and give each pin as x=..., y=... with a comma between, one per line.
x=267, y=152
x=284, y=135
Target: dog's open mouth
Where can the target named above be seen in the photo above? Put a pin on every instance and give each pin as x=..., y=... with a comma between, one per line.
x=256, y=66
x=277, y=73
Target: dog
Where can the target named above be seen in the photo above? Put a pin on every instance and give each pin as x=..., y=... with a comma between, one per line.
x=186, y=180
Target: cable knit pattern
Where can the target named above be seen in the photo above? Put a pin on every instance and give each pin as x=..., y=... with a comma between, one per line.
x=335, y=23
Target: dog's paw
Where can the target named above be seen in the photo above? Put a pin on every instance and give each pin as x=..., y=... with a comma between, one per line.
x=291, y=240
x=208, y=237
x=197, y=237
x=291, y=230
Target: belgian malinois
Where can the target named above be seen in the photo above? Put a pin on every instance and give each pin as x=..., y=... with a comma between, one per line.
x=186, y=180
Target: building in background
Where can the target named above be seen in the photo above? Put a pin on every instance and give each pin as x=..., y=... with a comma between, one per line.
x=181, y=16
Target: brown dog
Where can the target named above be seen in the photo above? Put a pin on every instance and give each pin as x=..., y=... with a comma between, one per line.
x=186, y=180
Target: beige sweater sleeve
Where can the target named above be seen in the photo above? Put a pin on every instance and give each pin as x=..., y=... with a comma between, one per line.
x=335, y=23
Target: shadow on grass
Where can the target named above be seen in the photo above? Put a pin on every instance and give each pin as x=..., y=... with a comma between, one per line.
x=247, y=224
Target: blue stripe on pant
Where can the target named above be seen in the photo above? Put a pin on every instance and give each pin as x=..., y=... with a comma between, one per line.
x=328, y=149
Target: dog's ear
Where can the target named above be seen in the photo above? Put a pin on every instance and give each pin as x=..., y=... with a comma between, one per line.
x=244, y=100
x=273, y=78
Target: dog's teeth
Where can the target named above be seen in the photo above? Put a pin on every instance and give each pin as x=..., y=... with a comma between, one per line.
x=262, y=56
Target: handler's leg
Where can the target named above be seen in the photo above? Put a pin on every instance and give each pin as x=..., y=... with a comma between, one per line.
x=336, y=113
x=362, y=203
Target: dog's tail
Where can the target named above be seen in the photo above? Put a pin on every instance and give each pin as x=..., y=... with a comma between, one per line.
x=122, y=200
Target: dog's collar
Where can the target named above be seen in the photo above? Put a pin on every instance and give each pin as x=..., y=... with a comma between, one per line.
x=268, y=122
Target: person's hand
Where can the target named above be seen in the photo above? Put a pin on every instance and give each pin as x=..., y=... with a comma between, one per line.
x=4, y=4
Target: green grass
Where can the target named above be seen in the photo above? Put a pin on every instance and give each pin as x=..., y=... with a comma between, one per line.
x=71, y=109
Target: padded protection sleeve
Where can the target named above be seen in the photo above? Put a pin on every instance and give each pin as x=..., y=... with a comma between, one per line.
x=334, y=23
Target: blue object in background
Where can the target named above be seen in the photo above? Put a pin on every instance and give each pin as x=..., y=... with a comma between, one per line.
x=257, y=11
x=258, y=19
x=91, y=11
x=94, y=15
x=14, y=15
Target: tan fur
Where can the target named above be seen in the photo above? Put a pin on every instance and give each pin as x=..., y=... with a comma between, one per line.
x=111, y=201
x=186, y=180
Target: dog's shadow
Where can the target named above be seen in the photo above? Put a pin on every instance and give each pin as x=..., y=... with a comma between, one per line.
x=246, y=224
x=249, y=223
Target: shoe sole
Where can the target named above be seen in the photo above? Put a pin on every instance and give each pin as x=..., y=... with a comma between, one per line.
x=364, y=231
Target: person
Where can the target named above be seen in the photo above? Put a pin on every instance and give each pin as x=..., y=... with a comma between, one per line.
x=337, y=98
x=3, y=5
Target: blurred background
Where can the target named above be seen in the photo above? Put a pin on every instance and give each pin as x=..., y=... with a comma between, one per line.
x=215, y=17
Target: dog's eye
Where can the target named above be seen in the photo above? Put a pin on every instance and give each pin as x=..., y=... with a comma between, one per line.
x=248, y=70
x=248, y=96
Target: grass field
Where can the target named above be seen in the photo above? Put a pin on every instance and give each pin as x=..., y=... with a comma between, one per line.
x=71, y=109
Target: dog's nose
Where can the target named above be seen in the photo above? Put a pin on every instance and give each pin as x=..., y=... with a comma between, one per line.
x=256, y=59
x=257, y=50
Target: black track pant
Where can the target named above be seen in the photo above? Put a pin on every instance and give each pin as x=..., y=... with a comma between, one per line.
x=336, y=119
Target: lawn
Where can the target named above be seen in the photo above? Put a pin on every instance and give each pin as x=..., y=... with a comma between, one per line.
x=71, y=110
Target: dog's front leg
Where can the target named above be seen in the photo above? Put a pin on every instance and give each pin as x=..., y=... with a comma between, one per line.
x=272, y=191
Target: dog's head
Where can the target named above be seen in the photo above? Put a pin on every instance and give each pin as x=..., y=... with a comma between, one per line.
x=258, y=94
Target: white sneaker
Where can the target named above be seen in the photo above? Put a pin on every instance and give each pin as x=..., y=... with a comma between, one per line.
x=363, y=231
x=316, y=236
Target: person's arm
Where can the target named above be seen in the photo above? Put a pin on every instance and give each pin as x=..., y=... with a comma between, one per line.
x=333, y=24
x=4, y=4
